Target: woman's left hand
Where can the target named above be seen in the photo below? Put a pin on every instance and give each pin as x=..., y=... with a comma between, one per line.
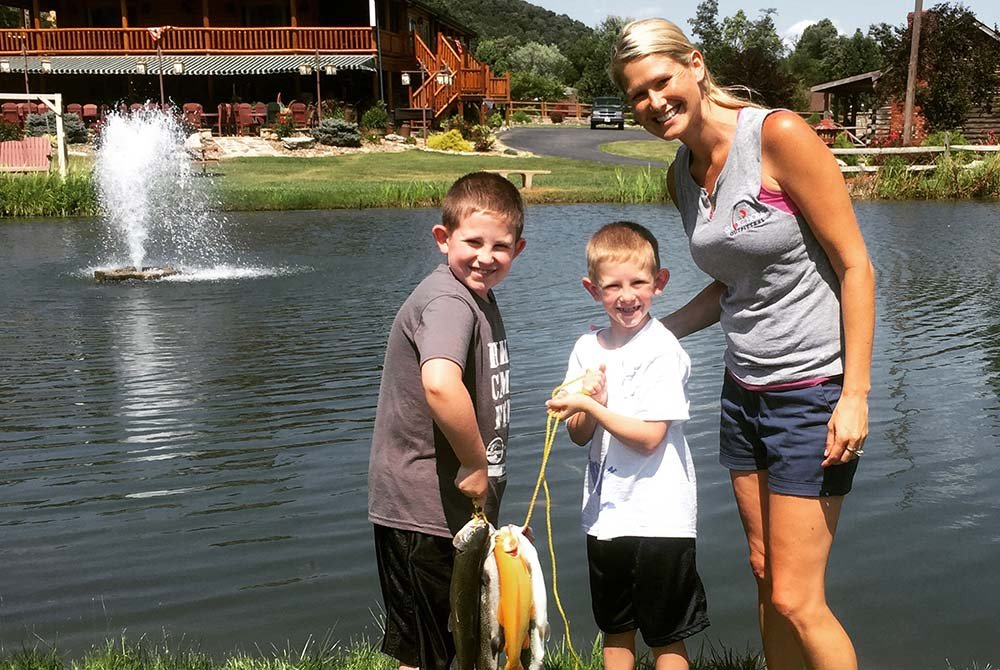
x=846, y=430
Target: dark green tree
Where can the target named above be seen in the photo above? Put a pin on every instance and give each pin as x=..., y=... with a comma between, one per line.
x=746, y=53
x=592, y=55
x=809, y=60
x=11, y=17
x=958, y=65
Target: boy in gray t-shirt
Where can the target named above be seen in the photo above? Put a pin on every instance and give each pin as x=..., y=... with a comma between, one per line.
x=440, y=440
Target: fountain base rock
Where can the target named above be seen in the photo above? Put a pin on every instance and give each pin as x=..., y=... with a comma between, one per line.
x=132, y=272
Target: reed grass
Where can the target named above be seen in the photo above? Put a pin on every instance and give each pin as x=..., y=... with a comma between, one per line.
x=644, y=186
x=48, y=194
x=950, y=180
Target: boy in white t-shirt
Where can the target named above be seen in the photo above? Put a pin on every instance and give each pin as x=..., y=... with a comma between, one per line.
x=639, y=496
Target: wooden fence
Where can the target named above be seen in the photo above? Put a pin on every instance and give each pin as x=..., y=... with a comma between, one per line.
x=902, y=151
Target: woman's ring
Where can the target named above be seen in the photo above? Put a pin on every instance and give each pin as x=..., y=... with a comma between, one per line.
x=856, y=452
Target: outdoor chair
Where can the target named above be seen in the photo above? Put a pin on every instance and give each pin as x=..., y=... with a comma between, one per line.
x=226, y=120
x=136, y=106
x=10, y=113
x=75, y=108
x=244, y=118
x=260, y=112
x=298, y=110
x=89, y=114
x=192, y=112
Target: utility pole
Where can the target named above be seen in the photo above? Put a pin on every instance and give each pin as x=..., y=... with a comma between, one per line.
x=911, y=76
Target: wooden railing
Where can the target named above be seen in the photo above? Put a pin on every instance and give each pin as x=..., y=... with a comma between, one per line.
x=469, y=77
x=101, y=41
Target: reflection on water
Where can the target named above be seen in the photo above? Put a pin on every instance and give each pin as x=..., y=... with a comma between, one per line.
x=191, y=456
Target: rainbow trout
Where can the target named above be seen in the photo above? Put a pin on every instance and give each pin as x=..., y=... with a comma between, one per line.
x=471, y=544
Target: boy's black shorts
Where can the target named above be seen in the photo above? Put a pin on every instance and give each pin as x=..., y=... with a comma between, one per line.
x=647, y=583
x=414, y=571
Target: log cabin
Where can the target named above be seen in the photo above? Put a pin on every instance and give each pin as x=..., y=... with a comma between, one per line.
x=212, y=51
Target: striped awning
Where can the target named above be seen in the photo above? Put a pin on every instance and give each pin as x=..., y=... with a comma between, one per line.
x=192, y=64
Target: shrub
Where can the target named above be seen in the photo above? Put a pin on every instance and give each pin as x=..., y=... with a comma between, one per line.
x=557, y=117
x=495, y=120
x=36, y=125
x=842, y=141
x=338, y=133
x=375, y=117
x=936, y=139
x=372, y=137
x=9, y=131
x=449, y=141
x=482, y=138
x=520, y=116
x=284, y=127
x=456, y=122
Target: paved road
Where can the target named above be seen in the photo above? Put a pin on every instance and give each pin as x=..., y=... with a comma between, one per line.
x=575, y=142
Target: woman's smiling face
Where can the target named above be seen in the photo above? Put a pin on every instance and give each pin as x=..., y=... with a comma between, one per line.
x=664, y=93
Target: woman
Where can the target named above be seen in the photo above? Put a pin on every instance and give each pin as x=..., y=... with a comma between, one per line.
x=768, y=216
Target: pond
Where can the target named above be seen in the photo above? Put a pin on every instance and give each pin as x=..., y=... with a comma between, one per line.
x=189, y=457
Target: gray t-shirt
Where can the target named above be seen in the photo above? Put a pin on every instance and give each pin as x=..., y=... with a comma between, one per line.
x=411, y=474
x=781, y=307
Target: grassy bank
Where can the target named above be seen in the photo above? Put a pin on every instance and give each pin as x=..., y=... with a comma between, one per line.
x=131, y=655
x=416, y=179
x=420, y=179
x=125, y=655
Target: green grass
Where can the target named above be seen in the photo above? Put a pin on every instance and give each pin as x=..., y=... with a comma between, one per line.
x=122, y=654
x=142, y=654
x=410, y=179
x=646, y=150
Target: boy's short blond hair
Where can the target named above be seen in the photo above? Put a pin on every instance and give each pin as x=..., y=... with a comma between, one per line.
x=619, y=242
x=482, y=192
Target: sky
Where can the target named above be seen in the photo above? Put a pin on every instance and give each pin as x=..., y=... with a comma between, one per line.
x=792, y=18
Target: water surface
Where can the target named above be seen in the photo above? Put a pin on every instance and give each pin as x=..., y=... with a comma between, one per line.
x=190, y=457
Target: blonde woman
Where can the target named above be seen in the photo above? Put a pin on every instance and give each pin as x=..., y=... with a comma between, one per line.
x=769, y=219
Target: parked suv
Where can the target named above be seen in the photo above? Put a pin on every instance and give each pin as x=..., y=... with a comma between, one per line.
x=607, y=111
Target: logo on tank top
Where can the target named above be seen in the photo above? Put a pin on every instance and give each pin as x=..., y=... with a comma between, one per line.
x=747, y=215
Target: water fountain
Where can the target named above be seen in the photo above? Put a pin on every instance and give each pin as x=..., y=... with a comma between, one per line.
x=157, y=209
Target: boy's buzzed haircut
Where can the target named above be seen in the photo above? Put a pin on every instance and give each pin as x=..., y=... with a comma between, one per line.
x=622, y=241
x=482, y=192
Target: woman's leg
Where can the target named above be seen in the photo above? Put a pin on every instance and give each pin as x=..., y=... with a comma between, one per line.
x=781, y=645
x=619, y=651
x=800, y=534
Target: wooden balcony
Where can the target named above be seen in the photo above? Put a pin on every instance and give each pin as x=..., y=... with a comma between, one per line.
x=186, y=40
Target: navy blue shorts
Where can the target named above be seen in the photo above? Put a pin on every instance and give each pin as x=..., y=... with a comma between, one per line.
x=783, y=432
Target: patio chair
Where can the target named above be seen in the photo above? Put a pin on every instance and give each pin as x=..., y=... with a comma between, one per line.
x=136, y=106
x=10, y=112
x=192, y=112
x=75, y=108
x=244, y=118
x=298, y=110
x=225, y=121
x=89, y=114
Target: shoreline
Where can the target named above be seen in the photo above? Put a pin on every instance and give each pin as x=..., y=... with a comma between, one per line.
x=413, y=178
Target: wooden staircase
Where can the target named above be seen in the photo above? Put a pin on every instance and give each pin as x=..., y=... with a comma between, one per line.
x=470, y=81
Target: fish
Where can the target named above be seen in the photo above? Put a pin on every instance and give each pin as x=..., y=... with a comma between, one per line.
x=521, y=609
x=491, y=634
x=471, y=544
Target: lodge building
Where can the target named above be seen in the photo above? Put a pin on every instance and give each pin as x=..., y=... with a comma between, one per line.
x=213, y=51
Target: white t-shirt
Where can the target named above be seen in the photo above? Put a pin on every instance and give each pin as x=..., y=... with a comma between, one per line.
x=625, y=492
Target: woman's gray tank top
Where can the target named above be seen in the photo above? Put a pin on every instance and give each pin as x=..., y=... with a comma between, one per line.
x=781, y=308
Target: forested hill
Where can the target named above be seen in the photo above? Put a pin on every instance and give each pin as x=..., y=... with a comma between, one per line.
x=519, y=19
